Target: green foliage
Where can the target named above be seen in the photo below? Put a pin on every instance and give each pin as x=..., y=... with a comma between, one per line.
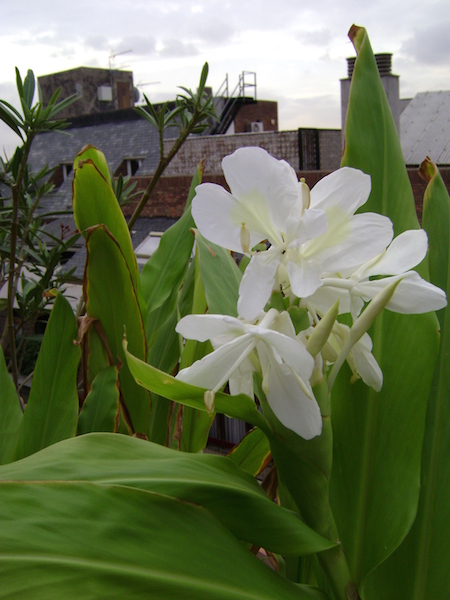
x=24, y=244
x=378, y=436
x=417, y=569
x=363, y=505
x=52, y=409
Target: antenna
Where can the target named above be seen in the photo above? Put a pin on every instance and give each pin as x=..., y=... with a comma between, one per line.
x=113, y=56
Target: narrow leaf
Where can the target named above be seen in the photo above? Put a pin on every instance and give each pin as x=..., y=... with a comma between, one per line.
x=101, y=408
x=52, y=409
x=10, y=414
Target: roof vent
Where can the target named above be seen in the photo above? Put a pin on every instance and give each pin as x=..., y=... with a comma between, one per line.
x=384, y=64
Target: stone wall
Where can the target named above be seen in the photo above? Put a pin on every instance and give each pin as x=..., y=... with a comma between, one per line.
x=281, y=144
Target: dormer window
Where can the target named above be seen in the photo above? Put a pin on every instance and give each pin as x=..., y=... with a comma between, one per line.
x=61, y=174
x=128, y=167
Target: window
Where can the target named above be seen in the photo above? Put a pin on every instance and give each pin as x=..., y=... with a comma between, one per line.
x=128, y=167
x=61, y=174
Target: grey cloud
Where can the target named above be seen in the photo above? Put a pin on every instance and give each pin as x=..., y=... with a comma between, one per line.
x=429, y=46
x=176, y=48
x=97, y=42
x=315, y=38
x=141, y=45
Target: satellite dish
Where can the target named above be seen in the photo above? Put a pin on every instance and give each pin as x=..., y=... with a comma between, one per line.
x=136, y=95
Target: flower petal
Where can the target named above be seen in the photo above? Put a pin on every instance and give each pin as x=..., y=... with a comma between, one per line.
x=291, y=350
x=257, y=283
x=405, y=252
x=215, y=369
x=210, y=326
x=413, y=295
x=304, y=274
x=253, y=173
x=366, y=365
x=219, y=217
x=292, y=407
x=350, y=241
x=348, y=188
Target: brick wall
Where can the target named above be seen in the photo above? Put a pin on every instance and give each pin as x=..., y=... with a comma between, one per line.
x=169, y=196
x=265, y=111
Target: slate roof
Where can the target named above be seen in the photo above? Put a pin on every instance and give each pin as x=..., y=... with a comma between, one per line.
x=119, y=135
x=425, y=128
x=141, y=229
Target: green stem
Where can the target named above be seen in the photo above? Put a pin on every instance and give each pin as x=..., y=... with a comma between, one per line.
x=163, y=164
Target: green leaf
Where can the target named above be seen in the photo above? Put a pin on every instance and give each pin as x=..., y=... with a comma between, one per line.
x=240, y=407
x=212, y=481
x=419, y=567
x=252, y=453
x=94, y=203
x=111, y=298
x=97, y=157
x=378, y=436
x=10, y=414
x=164, y=272
x=52, y=409
x=28, y=88
x=125, y=543
x=221, y=276
x=7, y=117
x=372, y=143
x=100, y=410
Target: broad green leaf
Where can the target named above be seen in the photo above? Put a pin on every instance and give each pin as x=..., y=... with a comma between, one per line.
x=10, y=414
x=167, y=266
x=164, y=272
x=240, y=407
x=100, y=410
x=52, y=410
x=164, y=354
x=124, y=543
x=221, y=277
x=419, y=567
x=94, y=203
x=372, y=143
x=111, y=298
x=252, y=453
x=378, y=436
x=234, y=497
x=195, y=424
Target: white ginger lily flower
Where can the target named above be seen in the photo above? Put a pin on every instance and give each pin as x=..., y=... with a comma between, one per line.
x=413, y=295
x=360, y=358
x=308, y=232
x=270, y=347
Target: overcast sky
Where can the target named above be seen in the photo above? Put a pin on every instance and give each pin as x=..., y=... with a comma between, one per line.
x=297, y=49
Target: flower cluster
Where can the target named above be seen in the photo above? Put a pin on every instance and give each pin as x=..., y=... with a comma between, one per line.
x=317, y=251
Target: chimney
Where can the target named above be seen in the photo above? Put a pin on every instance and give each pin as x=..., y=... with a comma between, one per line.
x=390, y=84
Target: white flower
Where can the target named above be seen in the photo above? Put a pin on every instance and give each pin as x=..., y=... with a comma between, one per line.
x=269, y=347
x=308, y=232
x=413, y=295
x=360, y=358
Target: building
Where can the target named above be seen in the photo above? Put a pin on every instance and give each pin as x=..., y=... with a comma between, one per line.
x=99, y=90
